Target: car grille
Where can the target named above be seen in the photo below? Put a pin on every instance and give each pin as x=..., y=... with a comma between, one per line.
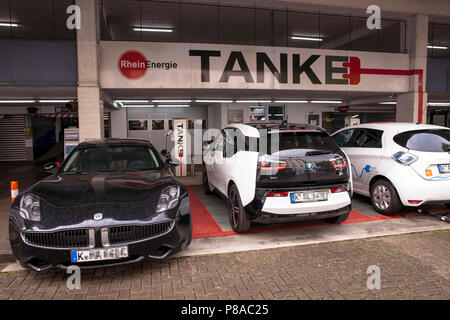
x=60, y=239
x=125, y=234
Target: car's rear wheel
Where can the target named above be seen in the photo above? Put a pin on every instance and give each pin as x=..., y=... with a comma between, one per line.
x=239, y=219
x=338, y=219
x=206, y=188
x=384, y=197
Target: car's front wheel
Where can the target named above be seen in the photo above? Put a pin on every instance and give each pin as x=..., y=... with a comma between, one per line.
x=239, y=219
x=206, y=188
x=385, y=198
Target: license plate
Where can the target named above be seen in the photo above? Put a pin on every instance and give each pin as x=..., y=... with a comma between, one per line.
x=99, y=254
x=309, y=196
x=444, y=168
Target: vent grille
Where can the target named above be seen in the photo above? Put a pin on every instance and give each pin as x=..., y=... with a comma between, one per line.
x=125, y=234
x=60, y=239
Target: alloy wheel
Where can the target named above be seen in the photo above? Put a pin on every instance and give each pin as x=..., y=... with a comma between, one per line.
x=382, y=197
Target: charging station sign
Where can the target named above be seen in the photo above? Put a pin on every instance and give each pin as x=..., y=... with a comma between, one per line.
x=215, y=66
x=180, y=149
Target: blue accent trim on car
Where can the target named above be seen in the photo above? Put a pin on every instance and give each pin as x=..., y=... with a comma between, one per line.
x=439, y=177
x=367, y=169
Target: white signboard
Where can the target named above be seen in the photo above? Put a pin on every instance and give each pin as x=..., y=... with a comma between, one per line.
x=193, y=65
x=71, y=140
x=180, y=149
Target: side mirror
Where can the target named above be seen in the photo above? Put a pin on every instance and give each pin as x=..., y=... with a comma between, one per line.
x=172, y=163
x=165, y=153
x=51, y=167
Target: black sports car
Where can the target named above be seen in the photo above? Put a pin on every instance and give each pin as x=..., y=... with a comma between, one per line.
x=110, y=202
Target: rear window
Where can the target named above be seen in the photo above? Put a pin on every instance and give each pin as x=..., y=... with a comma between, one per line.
x=292, y=140
x=425, y=140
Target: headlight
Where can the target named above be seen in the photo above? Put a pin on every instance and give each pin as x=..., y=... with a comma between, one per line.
x=30, y=208
x=404, y=158
x=168, y=199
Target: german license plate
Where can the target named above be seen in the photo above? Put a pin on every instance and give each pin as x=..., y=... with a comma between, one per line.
x=99, y=254
x=309, y=196
x=444, y=168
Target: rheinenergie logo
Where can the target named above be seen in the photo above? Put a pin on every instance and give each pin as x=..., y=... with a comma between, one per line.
x=133, y=65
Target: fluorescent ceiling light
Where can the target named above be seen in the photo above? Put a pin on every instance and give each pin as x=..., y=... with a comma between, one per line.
x=253, y=101
x=326, y=101
x=387, y=102
x=212, y=101
x=153, y=29
x=138, y=106
x=439, y=104
x=173, y=105
x=437, y=47
x=7, y=24
x=306, y=38
x=170, y=101
x=132, y=101
x=17, y=101
x=291, y=101
x=55, y=101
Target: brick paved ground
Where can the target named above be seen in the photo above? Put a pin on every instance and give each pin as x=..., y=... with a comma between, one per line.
x=413, y=266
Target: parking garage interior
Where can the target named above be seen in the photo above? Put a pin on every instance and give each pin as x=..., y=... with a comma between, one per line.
x=53, y=79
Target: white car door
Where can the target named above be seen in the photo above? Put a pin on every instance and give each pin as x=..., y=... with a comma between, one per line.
x=365, y=151
x=209, y=158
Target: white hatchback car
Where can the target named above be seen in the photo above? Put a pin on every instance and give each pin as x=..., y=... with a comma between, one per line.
x=278, y=173
x=398, y=163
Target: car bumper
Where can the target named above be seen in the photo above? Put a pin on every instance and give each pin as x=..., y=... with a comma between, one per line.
x=266, y=217
x=283, y=205
x=40, y=258
x=411, y=186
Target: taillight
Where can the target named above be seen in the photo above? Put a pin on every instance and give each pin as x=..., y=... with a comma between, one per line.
x=272, y=165
x=404, y=158
x=277, y=194
x=338, y=162
x=337, y=190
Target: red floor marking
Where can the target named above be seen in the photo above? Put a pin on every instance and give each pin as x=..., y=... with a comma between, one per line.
x=205, y=226
x=203, y=223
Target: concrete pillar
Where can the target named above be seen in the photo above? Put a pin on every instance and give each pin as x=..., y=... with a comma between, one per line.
x=119, y=123
x=90, y=106
x=417, y=40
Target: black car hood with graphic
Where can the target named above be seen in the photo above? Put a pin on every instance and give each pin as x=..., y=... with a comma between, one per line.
x=72, y=199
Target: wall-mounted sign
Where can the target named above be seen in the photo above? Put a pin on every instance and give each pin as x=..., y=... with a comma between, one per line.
x=180, y=149
x=235, y=116
x=185, y=65
x=71, y=140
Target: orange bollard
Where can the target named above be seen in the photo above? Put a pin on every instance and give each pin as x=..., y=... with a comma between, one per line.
x=14, y=190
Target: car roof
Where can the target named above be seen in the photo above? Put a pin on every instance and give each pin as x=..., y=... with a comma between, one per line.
x=395, y=126
x=251, y=129
x=115, y=142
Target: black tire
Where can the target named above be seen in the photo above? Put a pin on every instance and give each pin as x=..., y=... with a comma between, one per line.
x=338, y=219
x=384, y=197
x=239, y=219
x=206, y=188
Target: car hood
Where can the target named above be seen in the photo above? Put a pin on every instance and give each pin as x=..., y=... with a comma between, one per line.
x=79, y=189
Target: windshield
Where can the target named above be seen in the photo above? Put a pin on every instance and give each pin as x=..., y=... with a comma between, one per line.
x=304, y=140
x=425, y=140
x=112, y=158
